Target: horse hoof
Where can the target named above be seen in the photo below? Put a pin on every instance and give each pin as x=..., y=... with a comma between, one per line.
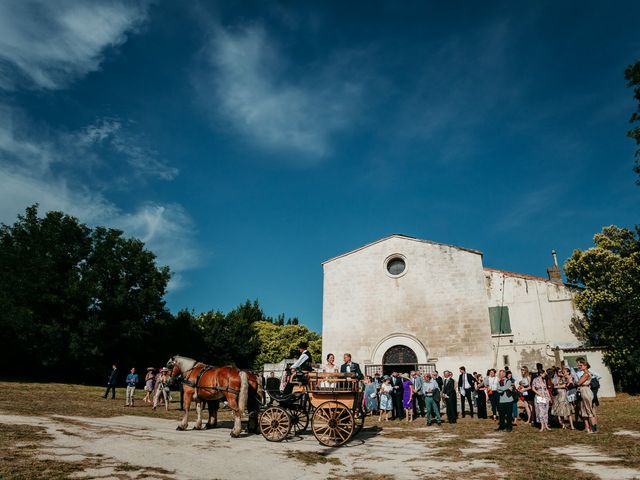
x=180, y=428
x=235, y=435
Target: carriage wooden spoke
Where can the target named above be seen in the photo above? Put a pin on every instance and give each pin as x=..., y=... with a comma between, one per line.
x=275, y=424
x=299, y=418
x=332, y=423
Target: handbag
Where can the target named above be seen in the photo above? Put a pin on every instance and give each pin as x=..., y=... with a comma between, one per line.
x=541, y=400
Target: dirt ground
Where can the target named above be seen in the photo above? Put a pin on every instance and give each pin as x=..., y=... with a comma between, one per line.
x=140, y=443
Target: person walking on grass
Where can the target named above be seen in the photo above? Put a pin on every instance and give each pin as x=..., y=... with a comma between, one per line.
x=162, y=390
x=148, y=385
x=131, y=381
x=112, y=382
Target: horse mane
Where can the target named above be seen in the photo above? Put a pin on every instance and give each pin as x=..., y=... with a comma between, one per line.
x=185, y=363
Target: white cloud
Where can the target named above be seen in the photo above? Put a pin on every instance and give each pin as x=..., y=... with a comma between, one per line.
x=48, y=45
x=247, y=83
x=111, y=133
x=167, y=230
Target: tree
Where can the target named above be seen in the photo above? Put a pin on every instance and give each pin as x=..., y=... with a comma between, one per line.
x=278, y=342
x=632, y=75
x=610, y=301
x=74, y=299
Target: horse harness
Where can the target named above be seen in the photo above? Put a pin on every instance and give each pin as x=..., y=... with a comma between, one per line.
x=197, y=385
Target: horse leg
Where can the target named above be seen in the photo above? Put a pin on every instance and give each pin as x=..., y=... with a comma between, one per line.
x=199, y=412
x=185, y=419
x=212, y=405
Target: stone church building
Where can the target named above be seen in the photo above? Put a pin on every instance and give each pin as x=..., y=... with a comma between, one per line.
x=401, y=303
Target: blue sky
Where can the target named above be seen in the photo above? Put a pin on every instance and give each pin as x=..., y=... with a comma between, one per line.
x=247, y=142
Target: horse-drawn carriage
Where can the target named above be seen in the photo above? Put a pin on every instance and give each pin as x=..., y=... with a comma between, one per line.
x=331, y=401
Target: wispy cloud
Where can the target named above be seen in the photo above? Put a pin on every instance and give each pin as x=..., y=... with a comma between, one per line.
x=111, y=133
x=45, y=169
x=48, y=45
x=247, y=81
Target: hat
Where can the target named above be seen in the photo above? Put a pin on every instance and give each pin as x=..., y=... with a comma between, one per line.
x=165, y=369
x=150, y=368
x=386, y=377
x=406, y=375
x=303, y=345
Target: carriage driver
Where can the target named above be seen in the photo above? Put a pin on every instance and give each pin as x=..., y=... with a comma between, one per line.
x=303, y=364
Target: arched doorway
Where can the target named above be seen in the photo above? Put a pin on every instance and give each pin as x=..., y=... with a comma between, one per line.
x=399, y=358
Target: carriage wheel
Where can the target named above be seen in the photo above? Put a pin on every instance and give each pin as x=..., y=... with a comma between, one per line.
x=332, y=423
x=275, y=424
x=299, y=419
x=359, y=418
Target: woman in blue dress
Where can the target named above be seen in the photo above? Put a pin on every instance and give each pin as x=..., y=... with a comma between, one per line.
x=370, y=396
x=386, y=402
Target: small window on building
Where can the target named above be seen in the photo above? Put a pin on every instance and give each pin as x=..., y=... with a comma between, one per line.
x=505, y=359
x=396, y=265
x=570, y=360
x=500, y=323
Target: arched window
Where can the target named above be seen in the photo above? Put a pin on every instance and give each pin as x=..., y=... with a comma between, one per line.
x=399, y=355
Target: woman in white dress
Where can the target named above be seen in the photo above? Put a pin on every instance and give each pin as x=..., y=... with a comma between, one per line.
x=330, y=367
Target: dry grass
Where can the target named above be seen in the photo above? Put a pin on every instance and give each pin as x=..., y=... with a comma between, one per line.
x=18, y=460
x=517, y=454
x=527, y=450
x=313, y=458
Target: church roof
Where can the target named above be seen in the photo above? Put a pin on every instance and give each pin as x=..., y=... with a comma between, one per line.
x=404, y=237
x=518, y=275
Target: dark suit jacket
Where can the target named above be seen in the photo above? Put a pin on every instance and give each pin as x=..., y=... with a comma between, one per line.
x=440, y=382
x=113, y=377
x=449, y=387
x=397, y=382
x=355, y=368
x=470, y=379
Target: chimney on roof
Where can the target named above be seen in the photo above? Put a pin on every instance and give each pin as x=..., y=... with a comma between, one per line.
x=554, y=271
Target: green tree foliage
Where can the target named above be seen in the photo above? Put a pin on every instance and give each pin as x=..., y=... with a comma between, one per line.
x=278, y=342
x=632, y=75
x=73, y=299
x=610, y=301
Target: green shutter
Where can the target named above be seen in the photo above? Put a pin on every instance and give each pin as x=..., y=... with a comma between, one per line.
x=499, y=317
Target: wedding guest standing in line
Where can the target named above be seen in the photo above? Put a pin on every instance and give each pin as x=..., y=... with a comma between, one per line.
x=450, y=398
x=466, y=386
x=481, y=400
x=562, y=408
x=505, y=403
x=527, y=395
x=542, y=400
x=407, y=396
x=370, y=396
x=491, y=382
x=587, y=409
x=386, y=400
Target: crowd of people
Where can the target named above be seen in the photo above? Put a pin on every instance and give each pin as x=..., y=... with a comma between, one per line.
x=156, y=386
x=561, y=397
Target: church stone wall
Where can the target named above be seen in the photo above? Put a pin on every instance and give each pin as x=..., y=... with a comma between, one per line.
x=440, y=302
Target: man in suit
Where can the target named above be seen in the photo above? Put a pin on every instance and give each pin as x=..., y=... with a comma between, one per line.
x=418, y=404
x=451, y=400
x=396, y=394
x=466, y=385
x=111, y=382
x=350, y=367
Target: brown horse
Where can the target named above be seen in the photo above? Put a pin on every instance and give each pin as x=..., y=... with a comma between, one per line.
x=202, y=383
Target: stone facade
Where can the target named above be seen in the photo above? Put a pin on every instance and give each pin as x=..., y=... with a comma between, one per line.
x=436, y=300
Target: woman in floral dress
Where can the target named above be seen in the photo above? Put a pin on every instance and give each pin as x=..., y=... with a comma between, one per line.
x=386, y=402
x=542, y=400
x=561, y=407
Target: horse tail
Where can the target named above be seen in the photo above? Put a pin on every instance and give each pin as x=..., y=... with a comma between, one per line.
x=244, y=392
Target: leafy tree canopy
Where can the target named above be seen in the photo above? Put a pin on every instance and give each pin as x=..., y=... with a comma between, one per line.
x=610, y=301
x=72, y=297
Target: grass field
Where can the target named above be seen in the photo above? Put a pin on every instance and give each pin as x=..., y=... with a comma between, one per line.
x=520, y=453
